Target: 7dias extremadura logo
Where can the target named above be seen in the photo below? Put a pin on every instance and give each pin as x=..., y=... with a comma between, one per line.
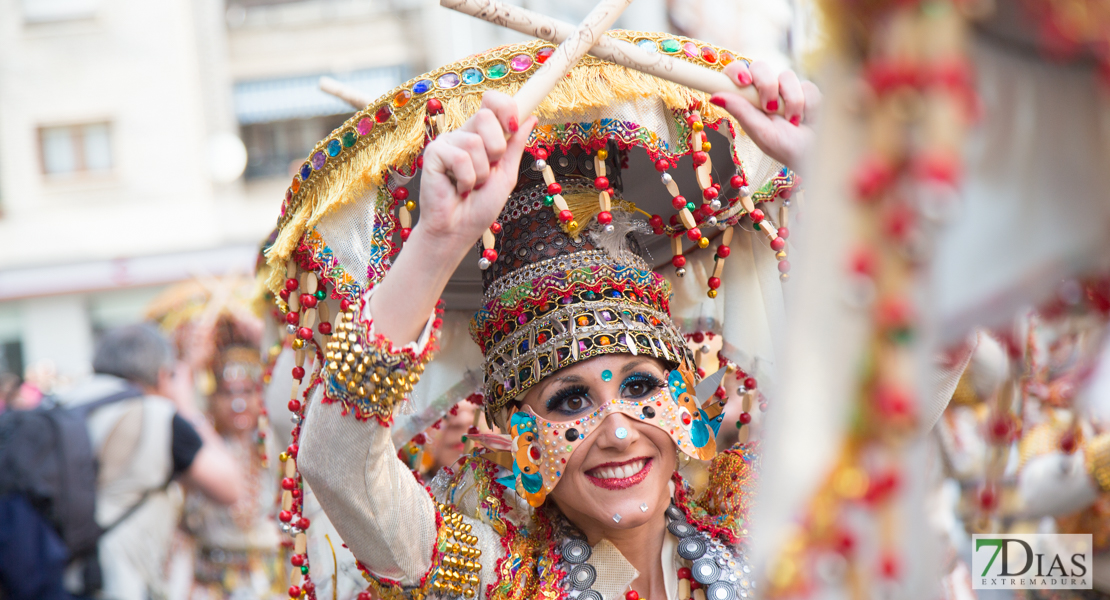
x=1031, y=561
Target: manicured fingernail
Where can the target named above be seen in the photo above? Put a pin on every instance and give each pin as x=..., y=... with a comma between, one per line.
x=795, y=120
x=744, y=77
x=464, y=195
x=772, y=105
x=717, y=101
x=513, y=125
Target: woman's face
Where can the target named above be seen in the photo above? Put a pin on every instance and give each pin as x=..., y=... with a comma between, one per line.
x=607, y=474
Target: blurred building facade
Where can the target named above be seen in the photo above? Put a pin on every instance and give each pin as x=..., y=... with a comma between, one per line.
x=145, y=143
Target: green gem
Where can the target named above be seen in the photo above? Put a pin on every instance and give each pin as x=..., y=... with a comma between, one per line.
x=548, y=200
x=349, y=138
x=464, y=439
x=739, y=425
x=569, y=447
x=690, y=206
x=304, y=570
x=670, y=46
x=321, y=294
x=756, y=225
x=497, y=71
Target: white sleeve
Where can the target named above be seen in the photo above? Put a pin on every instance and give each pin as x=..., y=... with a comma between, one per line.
x=1055, y=484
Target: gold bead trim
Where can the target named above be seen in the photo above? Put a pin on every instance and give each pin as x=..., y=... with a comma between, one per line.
x=365, y=373
x=458, y=571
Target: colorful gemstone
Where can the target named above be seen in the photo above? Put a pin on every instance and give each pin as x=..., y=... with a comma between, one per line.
x=497, y=70
x=606, y=375
x=726, y=58
x=670, y=45
x=422, y=87
x=648, y=45
x=402, y=98
x=520, y=62
x=333, y=147
x=691, y=49
x=448, y=81
x=296, y=185
x=318, y=160
x=543, y=54
x=472, y=76
x=306, y=170
x=383, y=114
x=365, y=126
x=708, y=54
x=349, y=138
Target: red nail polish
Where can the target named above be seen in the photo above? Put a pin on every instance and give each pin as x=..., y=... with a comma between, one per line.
x=773, y=105
x=717, y=101
x=744, y=77
x=795, y=120
x=513, y=125
x=464, y=195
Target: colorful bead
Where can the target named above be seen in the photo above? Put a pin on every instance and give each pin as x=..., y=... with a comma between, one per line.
x=784, y=266
x=605, y=217
x=757, y=216
x=784, y=232
x=601, y=183
x=723, y=251
x=554, y=188
x=401, y=194
x=291, y=284
x=434, y=106
x=778, y=244
x=490, y=254
x=714, y=283
x=495, y=227
x=566, y=216
x=736, y=182
x=662, y=165
x=700, y=158
x=678, y=202
x=520, y=62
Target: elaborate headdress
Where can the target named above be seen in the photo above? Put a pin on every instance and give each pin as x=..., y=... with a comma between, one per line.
x=565, y=275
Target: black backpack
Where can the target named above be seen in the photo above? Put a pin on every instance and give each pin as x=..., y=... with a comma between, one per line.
x=48, y=476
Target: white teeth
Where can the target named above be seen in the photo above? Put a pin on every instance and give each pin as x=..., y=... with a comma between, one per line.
x=619, y=472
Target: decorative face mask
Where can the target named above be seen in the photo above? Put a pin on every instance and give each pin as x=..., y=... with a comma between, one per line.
x=542, y=448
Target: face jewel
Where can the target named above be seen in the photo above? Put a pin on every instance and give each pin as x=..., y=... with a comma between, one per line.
x=520, y=62
x=402, y=98
x=383, y=114
x=648, y=45
x=333, y=147
x=471, y=76
x=621, y=433
x=691, y=49
x=606, y=375
x=543, y=54
x=571, y=434
x=670, y=46
x=422, y=86
x=708, y=54
x=448, y=81
x=497, y=70
x=616, y=518
x=318, y=160
x=726, y=57
x=365, y=126
x=349, y=138
x=643, y=507
x=306, y=170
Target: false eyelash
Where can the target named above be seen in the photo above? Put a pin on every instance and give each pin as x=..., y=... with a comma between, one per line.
x=640, y=377
x=564, y=394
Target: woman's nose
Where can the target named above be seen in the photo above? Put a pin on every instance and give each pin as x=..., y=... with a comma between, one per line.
x=617, y=432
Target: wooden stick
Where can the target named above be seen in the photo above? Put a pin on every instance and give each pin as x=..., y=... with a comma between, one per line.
x=620, y=52
x=345, y=93
x=571, y=49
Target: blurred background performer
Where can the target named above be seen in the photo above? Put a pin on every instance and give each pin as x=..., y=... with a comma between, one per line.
x=235, y=550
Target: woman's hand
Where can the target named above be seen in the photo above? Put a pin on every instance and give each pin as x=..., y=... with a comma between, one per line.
x=469, y=173
x=784, y=138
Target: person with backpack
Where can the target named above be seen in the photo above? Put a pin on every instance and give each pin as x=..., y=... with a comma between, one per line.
x=87, y=482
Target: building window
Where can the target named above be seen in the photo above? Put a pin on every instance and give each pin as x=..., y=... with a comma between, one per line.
x=52, y=11
x=277, y=148
x=74, y=149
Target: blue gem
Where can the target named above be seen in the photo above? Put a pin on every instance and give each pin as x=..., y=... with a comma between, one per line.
x=306, y=170
x=471, y=76
x=648, y=45
x=422, y=87
x=606, y=375
x=334, y=147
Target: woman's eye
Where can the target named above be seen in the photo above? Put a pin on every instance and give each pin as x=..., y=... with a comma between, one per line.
x=639, y=386
x=569, y=402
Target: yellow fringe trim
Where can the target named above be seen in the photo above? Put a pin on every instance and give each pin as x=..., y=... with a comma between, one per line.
x=359, y=170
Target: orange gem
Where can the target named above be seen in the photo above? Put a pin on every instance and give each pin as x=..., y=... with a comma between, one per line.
x=296, y=185
x=604, y=340
x=402, y=98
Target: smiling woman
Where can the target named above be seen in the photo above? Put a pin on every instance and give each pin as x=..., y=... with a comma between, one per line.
x=588, y=380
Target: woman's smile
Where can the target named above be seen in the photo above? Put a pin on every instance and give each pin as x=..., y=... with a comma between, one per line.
x=619, y=476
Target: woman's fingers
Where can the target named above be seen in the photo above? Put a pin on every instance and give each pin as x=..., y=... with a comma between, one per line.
x=453, y=162
x=766, y=82
x=504, y=108
x=790, y=88
x=475, y=147
x=485, y=124
x=738, y=71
